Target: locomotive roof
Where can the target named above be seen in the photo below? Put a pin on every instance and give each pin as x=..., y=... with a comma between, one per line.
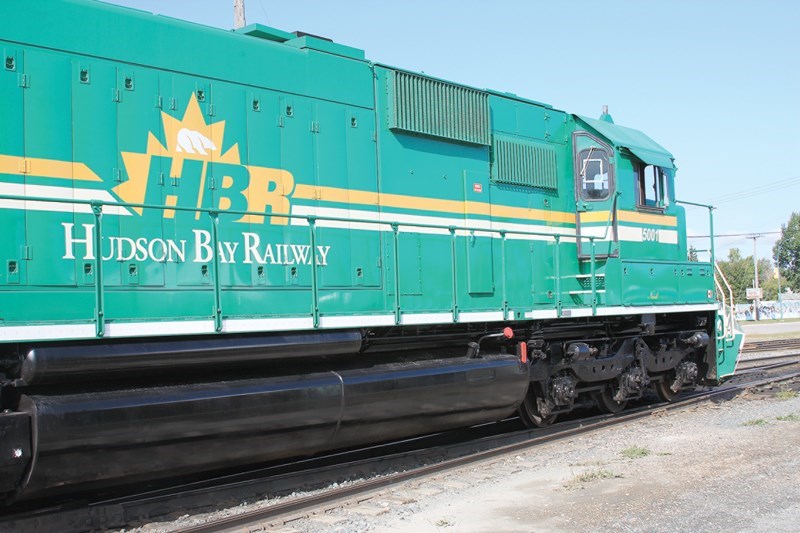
x=636, y=142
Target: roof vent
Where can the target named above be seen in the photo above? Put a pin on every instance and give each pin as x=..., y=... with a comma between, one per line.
x=266, y=33
x=301, y=40
x=311, y=42
x=304, y=34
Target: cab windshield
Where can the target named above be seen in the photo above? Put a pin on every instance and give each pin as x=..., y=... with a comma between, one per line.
x=594, y=179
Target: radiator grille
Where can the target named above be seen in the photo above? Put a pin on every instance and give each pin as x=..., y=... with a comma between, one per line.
x=432, y=107
x=523, y=162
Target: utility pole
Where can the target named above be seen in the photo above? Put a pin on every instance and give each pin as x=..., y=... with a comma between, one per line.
x=238, y=14
x=757, y=300
x=778, y=270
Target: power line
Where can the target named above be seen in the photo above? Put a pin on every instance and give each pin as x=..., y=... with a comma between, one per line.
x=760, y=189
x=749, y=235
x=764, y=187
x=749, y=194
x=265, y=13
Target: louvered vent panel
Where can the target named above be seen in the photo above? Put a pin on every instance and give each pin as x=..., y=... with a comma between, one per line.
x=432, y=107
x=522, y=162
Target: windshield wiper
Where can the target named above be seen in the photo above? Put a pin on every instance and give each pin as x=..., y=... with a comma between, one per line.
x=586, y=162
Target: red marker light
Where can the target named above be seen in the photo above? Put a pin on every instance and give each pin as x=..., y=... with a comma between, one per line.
x=508, y=333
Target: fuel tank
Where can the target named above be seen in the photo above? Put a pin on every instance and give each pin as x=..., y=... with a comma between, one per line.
x=103, y=438
x=82, y=362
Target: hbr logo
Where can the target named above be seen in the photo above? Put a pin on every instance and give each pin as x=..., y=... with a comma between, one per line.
x=195, y=183
x=193, y=169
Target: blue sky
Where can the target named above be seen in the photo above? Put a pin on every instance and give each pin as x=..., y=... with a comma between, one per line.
x=715, y=82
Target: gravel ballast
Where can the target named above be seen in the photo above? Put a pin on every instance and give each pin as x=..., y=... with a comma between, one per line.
x=716, y=467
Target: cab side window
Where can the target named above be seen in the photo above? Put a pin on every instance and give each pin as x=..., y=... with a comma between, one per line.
x=594, y=174
x=651, y=186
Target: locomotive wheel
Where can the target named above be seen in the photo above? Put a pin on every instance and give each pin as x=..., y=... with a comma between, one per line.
x=530, y=415
x=662, y=388
x=606, y=402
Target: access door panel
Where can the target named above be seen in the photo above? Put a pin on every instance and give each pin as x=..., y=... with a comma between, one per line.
x=94, y=137
x=49, y=173
x=12, y=216
x=140, y=178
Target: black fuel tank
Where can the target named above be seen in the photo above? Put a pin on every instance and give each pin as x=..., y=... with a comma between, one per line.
x=108, y=438
x=82, y=362
x=155, y=432
x=397, y=400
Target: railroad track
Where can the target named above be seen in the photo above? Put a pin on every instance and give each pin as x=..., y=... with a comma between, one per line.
x=307, y=504
x=436, y=454
x=766, y=363
x=763, y=346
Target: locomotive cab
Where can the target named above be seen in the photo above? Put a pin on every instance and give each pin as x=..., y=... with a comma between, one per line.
x=626, y=200
x=625, y=194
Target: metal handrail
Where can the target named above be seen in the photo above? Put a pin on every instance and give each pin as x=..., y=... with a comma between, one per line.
x=388, y=223
x=710, y=224
x=97, y=210
x=725, y=325
x=727, y=310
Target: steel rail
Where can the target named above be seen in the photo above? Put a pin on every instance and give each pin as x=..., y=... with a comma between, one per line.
x=763, y=346
x=135, y=508
x=308, y=503
x=766, y=363
x=760, y=361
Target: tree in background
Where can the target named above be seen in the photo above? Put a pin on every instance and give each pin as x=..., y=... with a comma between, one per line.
x=692, y=255
x=738, y=271
x=787, y=251
x=771, y=286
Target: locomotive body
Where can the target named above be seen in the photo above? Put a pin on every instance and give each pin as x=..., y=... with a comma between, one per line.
x=229, y=247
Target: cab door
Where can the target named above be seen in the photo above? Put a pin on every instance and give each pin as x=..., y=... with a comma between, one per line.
x=595, y=196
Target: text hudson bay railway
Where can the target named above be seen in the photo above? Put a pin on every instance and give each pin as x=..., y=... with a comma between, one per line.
x=276, y=247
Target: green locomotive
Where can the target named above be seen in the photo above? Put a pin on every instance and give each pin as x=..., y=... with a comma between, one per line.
x=229, y=247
